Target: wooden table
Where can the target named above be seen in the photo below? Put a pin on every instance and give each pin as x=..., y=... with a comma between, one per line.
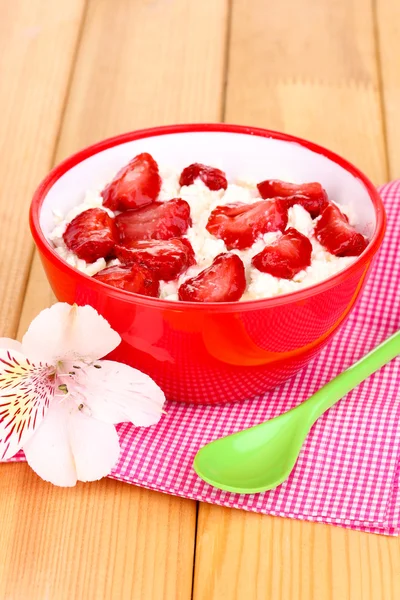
x=75, y=71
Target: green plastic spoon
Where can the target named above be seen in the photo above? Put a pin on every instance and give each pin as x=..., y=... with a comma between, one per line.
x=262, y=457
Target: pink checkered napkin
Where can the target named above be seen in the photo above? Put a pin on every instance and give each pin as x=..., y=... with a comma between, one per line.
x=348, y=471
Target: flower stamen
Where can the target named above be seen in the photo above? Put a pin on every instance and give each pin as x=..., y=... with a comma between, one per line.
x=84, y=409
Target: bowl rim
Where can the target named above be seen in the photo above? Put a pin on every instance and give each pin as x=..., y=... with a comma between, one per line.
x=59, y=170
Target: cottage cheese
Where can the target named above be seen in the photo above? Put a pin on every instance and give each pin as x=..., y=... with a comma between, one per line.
x=206, y=247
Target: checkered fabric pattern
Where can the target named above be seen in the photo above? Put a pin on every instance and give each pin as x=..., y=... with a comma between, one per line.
x=348, y=471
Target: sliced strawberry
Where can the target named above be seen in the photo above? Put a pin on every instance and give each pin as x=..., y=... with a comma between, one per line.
x=335, y=233
x=91, y=235
x=131, y=278
x=223, y=281
x=286, y=256
x=190, y=252
x=240, y=224
x=166, y=258
x=311, y=205
x=311, y=196
x=159, y=221
x=135, y=185
x=214, y=179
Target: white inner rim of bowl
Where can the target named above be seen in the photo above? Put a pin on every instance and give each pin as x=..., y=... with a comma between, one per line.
x=241, y=156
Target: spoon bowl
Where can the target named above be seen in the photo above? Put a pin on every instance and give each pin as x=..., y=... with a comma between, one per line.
x=257, y=459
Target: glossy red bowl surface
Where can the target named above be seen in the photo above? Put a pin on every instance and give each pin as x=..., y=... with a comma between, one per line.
x=215, y=352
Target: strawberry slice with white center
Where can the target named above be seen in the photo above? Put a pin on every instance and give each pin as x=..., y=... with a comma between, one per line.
x=335, y=233
x=135, y=185
x=213, y=178
x=223, y=281
x=312, y=196
x=239, y=225
x=285, y=257
x=91, y=235
x=158, y=221
x=131, y=278
x=166, y=258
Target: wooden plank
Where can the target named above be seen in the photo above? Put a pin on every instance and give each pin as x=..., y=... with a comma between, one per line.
x=38, y=295
x=139, y=64
x=245, y=555
x=99, y=540
x=37, y=46
x=307, y=68
x=146, y=63
x=388, y=36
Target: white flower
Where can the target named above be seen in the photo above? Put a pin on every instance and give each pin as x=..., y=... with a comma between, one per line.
x=60, y=403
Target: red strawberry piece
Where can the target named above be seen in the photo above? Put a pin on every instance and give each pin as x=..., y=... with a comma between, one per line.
x=131, y=278
x=286, y=256
x=311, y=196
x=223, y=281
x=214, y=179
x=240, y=224
x=335, y=233
x=311, y=205
x=158, y=221
x=166, y=258
x=135, y=185
x=190, y=252
x=91, y=235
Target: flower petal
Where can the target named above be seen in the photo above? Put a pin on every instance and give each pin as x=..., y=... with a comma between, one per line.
x=95, y=446
x=70, y=446
x=117, y=393
x=26, y=391
x=48, y=452
x=65, y=332
x=9, y=344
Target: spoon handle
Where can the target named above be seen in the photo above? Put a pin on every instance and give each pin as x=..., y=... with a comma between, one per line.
x=334, y=391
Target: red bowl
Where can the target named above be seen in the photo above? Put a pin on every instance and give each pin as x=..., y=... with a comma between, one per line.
x=215, y=352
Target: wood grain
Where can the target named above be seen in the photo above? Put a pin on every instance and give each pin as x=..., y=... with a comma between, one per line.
x=37, y=47
x=135, y=67
x=102, y=540
x=146, y=63
x=388, y=39
x=308, y=68
x=244, y=555
x=38, y=295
